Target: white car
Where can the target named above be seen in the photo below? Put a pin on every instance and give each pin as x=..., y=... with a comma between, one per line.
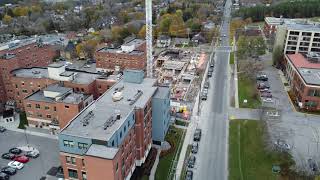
x=16, y=164
x=268, y=100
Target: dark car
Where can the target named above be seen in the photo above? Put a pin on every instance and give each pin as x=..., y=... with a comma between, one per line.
x=262, y=85
x=189, y=175
x=210, y=69
x=206, y=85
x=9, y=170
x=211, y=64
x=33, y=154
x=195, y=147
x=267, y=95
x=15, y=151
x=262, y=78
x=197, y=135
x=204, y=94
x=8, y=156
x=312, y=165
x=2, y=129
x=210, y=74
x=4, y=176
x=191, y=161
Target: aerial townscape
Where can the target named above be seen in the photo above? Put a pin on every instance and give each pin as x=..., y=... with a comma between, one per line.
x=160, y=89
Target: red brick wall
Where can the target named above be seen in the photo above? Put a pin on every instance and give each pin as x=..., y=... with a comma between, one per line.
x=103, y=85
x=82, y=88
x=66, y=112
x=79, y=166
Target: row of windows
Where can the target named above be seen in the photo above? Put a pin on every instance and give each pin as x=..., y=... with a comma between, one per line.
x=68, y=143
x=30, y=113
x=74, y=174
x=314, y=92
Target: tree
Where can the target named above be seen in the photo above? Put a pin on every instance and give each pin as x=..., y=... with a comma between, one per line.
x=142, y=32
x=20, y=11
x=277, y=55
x=79, y=49
x=7, y=19
x=242, y=47
x=177, y=27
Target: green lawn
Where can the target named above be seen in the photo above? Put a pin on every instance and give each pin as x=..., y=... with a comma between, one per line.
x=23, y=121
x=255, y=161
x=181, y=123
x=174, y=135
x=184, y=169
x=231, y=58
x=247, y=90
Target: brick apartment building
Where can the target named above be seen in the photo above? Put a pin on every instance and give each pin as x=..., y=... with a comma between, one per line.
x=113, y=135
x=54, y=106
x=26, y=81
x=21, y=54
x=303, y=74
x=131, y=55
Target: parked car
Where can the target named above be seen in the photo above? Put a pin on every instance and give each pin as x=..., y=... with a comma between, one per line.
x=15, y=151
x=33, y=154
x=16, y=164
x=212, y=64
x=189, y=175
x=312, y=165
x=2, y=129
x=204, y=94
x=267, y=100
x=210, y=69
x=265, y=90
x=191, y=161
x=9, y=170
x=262, y=77
x=8, y=156
x=197, y=135
x=206, y=85
x=195, y=147
x=210, y=74
x=266, y=95
x=4, y=176
x=282, y=144
x=263, y=85
x=22, y=159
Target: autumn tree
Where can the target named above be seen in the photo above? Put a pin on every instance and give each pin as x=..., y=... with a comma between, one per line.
x=142, y=32
x=7, y=19
x=277, y=55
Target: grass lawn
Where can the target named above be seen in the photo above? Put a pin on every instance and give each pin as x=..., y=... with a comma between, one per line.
x=255, y=161
x=231, y=58
x=23, y=120
x=184, y=169
x=175, y=136
x=181, y=123
x=247, y=90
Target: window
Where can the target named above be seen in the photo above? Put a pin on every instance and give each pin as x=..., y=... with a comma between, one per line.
x=46, y=108
x=117, y=167
x=82, y=145
x=38, y=106
x=314, y=92
x=28, y=105
x=49, y=116
x=82, y=90
x=146, y=110
x=121, y=134
x=68, y=159
x=112, y=143
x=66, y=107
x=83, y=164
x=84, y=176
x=16, y=85
x=73, y=173
x=125, y=129
x=39, y=115
x=55, y=108
x=68, y=143
x=24, y=91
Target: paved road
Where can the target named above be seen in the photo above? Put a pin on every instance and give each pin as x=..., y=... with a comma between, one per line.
x=212, y=157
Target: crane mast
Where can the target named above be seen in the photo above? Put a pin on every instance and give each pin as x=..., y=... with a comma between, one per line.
x=149, y=38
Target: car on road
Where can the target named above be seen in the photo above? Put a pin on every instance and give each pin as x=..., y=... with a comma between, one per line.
x=224, y=35
x=210, y=69
x=204, y=94
x=262, y=77
x=265, y=90
x=9, y=170
x=263, y=85
x=189, y=175
x=312, y=165
x=4, y=176
x=209, y=73
x=33, y=154
x=212, y=64
x=267, y=100
x=22, y=159
x=266, y=95
x=282, y=145
x=16, y=164
x=191, y=161
x=15, y=151
x=206, y=85
x=195, y=147
x=8, y=156
x=2, y=129
x=197, y=135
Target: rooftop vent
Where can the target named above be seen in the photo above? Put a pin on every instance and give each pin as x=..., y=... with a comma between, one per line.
x=136, y=97
x=117, y=96
x=35, y=72
x=111, y=121
x=86, y=119
x=119, y=88
x=313, y=57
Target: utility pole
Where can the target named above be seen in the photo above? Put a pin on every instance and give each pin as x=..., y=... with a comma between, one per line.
x=149, y=38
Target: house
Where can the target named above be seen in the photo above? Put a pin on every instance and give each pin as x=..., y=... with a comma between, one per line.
x=181, y=41
x=198, y=38
x=209, y=25
x=163, y=41
x=8, y=116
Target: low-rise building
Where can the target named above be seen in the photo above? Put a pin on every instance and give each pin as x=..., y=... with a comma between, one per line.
x=131, y=55
x=163, y=41
x=303, y=75
x=113, y=135
x=53, y=107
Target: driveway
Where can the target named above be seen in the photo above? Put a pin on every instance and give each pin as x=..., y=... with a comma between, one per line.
x=35, y=168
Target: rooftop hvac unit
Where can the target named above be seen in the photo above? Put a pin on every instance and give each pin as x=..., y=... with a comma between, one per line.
x=117, y=96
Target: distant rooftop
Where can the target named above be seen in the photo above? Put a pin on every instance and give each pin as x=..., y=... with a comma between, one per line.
x=56, y=65
x=304, y=27
x=310, y=76
x=177, y=65
x=300, y=61
x=102, y=151
x=104, y=108
x=35, y=72
x=119, y=51
x=134, y=42
x=294, y=24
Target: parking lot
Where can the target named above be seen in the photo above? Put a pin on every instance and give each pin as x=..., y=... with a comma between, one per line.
x=35, y=168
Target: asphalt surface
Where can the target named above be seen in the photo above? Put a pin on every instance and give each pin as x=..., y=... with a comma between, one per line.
x=212, y=158
x=35, y=168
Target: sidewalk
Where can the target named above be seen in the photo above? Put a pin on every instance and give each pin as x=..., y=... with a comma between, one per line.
x=235, y=72
x=155, y=165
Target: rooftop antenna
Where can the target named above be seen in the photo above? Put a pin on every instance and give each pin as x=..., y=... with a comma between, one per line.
x=149, y=38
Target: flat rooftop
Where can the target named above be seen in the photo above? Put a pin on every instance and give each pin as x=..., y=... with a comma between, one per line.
x=134, y=42
x=102, y=151
x=177, y=65
x=304, y=27
x=310, y=76
x=162, y=92
x=34, y=72
x=104, y=108
x=300, y=61
x=119, y=51
x=82, y=66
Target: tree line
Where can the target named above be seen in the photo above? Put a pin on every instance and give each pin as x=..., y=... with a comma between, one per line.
x=287, y=9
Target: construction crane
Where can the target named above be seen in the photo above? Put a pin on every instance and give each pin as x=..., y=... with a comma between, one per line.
x=149, y=38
